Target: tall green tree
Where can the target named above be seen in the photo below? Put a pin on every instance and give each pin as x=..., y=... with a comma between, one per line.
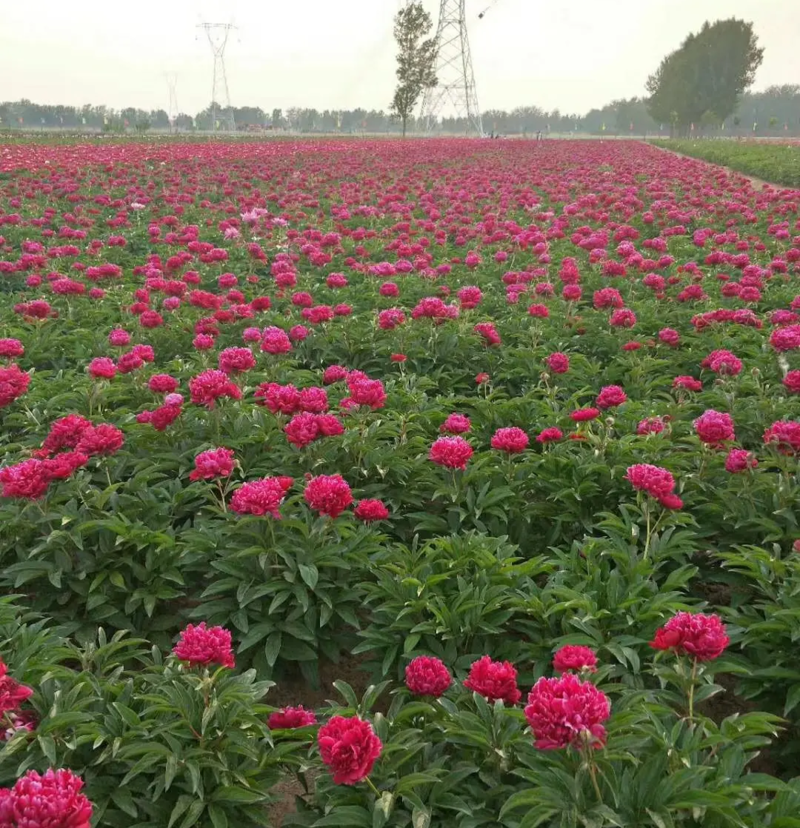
x=416, y=59
x=703, y=81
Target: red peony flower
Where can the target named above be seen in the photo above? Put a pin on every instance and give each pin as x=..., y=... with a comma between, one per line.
x=427, y=676
x=208, y=387
x=511, y=440
x=740, y=460
x=653, y=480
x=566, y=711
x=550, y=435
x=12, y=693
x=349, y=747
x=482, y=378
x=162, y=384
x=27, y=480
x=558, y=363
x=261, y=497
x=283, y=399
x=487, y=332
x=791, y=382
x=202, y=646
x=575, y=657
x=611, y=396
x=100, y=439
x=102, y=368
x=539, y=311
x=334, y=373
x=370, y=511
x=669, y=336
x=119, y=337
x=689, y=383
x=786, y=339
x=291, y=718
x=211, y=464
x=364, y=391
x=622, y=318
x=455, y=424
x=328, y=494
x=493, y=680
x=785, y=434
x=652, y=425
x=302, y=429
x=11, y=348
x=65, y=432
x=714, y=427
x=64, y=465
x=451, y=452
x=722, y=362
x=275, y=341
x=13, y=384
x=694, y=634
x=313, y=399
x=582, y=415
x=236, y=360
x=53, y=800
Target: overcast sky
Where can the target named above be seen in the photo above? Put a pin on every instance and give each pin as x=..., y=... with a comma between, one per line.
x=571, y=54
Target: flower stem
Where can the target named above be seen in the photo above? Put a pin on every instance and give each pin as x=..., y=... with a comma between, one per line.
x=372, y=787
x=691, y=689
x=593, y=774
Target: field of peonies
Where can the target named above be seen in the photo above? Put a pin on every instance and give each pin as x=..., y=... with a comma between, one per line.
x=505, y=433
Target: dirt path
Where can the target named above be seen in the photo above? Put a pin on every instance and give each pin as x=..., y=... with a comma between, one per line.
x=756, y=183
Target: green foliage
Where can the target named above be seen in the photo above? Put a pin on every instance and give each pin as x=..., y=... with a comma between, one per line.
x=156, y=742
x=771, y=162
x=703, y=80
x=416, y=59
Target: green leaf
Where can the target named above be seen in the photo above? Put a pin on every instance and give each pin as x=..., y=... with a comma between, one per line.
x=194, y=813
x=180, y=808
x=309, y=574
x=233, y=793
x=351, y=816
x=218, y=816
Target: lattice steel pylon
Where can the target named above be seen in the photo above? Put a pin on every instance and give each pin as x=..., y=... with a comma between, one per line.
x=456, y=88
x=221, y=111
x=172, y=83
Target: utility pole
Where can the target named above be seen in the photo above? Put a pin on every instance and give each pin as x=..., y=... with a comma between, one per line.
x=173, y=111
x=217, y=34
x=456, y=89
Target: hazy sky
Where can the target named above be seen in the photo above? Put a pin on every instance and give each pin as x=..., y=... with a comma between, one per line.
x=572, y=54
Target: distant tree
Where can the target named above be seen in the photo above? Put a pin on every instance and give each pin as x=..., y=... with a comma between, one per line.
x=277, y=118
x=708, y=73
x=416, y=59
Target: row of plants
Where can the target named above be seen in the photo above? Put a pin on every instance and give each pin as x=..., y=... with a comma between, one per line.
x=184, y=740
x=775, y=162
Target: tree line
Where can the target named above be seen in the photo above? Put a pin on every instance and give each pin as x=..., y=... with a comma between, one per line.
x=773, y=112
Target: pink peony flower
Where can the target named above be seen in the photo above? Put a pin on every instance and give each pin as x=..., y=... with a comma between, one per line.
x=566, y=711
x=493, y=680
x=261, y=497
x=328, y=494
x=211, y=464
x=52, y=800
x=427, y=676
x=694, y=634
x=202, y=646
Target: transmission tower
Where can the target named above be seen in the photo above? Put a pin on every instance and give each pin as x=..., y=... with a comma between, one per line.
x=456, y=88
x=221, y=111
x=172, y=83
